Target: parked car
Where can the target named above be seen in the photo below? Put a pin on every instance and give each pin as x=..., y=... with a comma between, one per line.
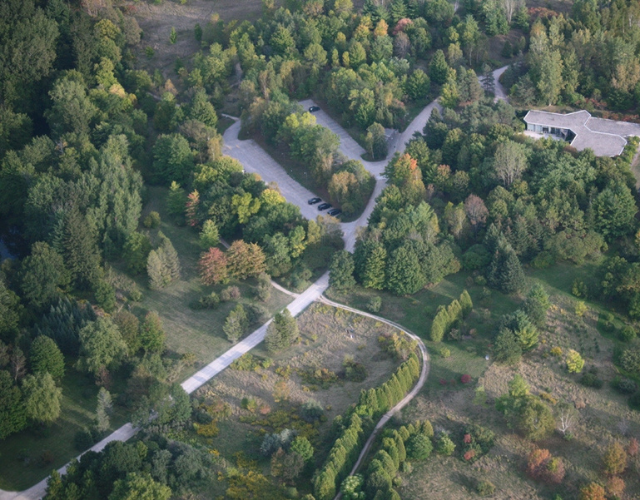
x=313, y=109
x=313, y=201
x=334, y=212
x=324, y=206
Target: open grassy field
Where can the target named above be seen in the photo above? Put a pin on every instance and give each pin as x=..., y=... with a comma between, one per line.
x=327, y=336
x=603, y=414
x=30, y=456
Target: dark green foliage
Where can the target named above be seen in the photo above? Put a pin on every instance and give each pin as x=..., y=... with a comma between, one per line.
x=438, y=69
x=43, y=275
x=12, y=412
x=506, y=348
x=466, y=304
x=151, y=337
x=81, y=254
x=101, y=346
x=9, y=312
x=236, y=324
x=282, y=332
x=311, y=410
x=45, y=357
x=521, y=326
x=536, y=304
x=136, y=252
x=105, y=295
x=41, y=398
x=403, y=271
x=341, y=271
x=173, y=159
x=419, y=447
x=63, y=322
x=505, y=271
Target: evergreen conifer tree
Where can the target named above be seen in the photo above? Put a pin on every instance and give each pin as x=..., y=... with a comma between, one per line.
x=466, y=303
x=374, y=268
x=103, y=410
x=45, y=357
x=236, y=324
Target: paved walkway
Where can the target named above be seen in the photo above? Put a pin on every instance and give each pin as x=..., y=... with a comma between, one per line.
x=255, y=159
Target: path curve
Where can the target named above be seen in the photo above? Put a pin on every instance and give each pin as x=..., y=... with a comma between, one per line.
x=301, y=301
x=424, y=373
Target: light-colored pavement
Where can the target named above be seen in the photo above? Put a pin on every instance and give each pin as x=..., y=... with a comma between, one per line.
x=424, y=373
x=499, y=91
x=256, y=160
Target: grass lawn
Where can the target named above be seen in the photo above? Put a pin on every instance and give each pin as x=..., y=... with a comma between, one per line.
x=188, y=330
x=30, y=456
x=324, y=344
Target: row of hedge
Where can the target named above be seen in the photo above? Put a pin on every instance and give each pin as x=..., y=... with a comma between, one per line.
x=448, y=317
x=372, y=403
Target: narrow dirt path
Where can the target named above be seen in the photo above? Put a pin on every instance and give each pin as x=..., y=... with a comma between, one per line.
x=424, y=373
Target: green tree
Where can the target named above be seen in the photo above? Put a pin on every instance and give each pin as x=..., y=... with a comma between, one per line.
x=439, y=69
x=173, y=36
x=152, y=336
x=12, y=411
x=282, y=42
x=172, y=159
x=302, y=447
x=43, y=274
x=72, y=111
x=404, y=276
x=209, y=236
x=376, y=142
x=41, y=397
x=615, y=210
x=550, y=82
x=507, y=349
x=197, y=32
x=373, y=274
x=236, y=324
x=574, y=361
x=202, y=110
x=80, y=251
x=417, y=86
x=444, y=445
x=509, y=162
x=45, y=357
x=136, y=252
x=466, y=303
x=101, y=345
x=282, y=331
x=103, y=409
x=139, y=486
x=176, y=199
x=536, y=304
x=419, y=447
x=341, y=271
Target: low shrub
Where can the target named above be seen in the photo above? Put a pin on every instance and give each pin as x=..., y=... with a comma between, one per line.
x=627, y=334
x=152, y=220
x=374, y=305
x=485, y=488
x=465, y=379
x=624, y=385
x=230, y=293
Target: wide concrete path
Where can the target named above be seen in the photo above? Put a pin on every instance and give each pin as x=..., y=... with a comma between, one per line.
x=198, y=379
x=255, y=159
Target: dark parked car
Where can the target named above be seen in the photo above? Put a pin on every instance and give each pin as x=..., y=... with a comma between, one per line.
x=334, y=212
x=324, y=206
x=312, y=109
x=313, y=201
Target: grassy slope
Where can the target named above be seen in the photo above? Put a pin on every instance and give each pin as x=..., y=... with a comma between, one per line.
x=199, y=332
x=21, y=458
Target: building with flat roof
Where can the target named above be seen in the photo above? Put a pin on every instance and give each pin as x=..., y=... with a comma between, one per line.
x=583, y=131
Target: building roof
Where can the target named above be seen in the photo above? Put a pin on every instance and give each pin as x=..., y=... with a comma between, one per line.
x=604, y=137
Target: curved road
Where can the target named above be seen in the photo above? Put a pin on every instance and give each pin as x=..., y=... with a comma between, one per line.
x=424, y=373
x=255, y=159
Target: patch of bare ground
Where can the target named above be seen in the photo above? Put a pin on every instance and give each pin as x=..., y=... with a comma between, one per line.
x=603, y=417
x=327, y=336
x=156, y=21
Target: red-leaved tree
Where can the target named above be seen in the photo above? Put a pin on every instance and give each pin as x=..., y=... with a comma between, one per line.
x=213, y=267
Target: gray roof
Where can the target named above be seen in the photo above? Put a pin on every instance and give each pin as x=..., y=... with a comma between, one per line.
x=604, y=137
